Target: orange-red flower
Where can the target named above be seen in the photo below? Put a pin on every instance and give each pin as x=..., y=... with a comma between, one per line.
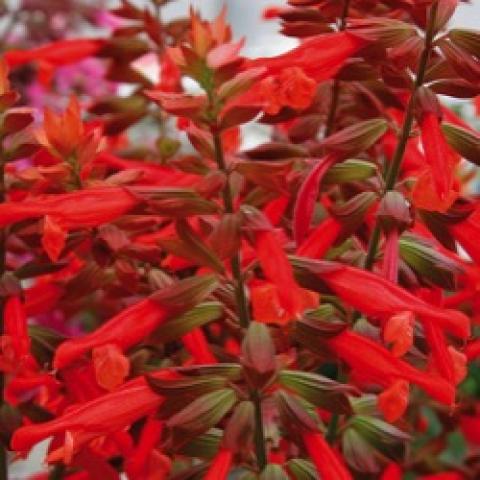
x=15, y=342
x=291, y=88
x=320, y=57
x=101, y=416
x=278, y=270
x=321, y=239
x=79, y=209
x=466, y=233
x=138, y=465
x=197, y=345
x=375, y=296
x=266, y=304
x=375, y=362
x=307, y=196
x=54, y=55
x=437, y=153
x=220, y=466
x=398, y=331
x=123, y=330
x=326, y=461
x=111, y=366
x=393, y=401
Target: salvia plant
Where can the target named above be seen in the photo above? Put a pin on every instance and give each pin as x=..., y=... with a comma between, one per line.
x=178, y=306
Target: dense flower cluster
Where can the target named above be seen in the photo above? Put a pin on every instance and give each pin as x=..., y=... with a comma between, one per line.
x=176, y=306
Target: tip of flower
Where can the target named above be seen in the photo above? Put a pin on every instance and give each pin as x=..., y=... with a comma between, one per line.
x=271, y=13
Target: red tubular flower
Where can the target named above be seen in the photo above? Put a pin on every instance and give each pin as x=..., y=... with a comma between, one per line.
x=197, y=345
x=375, y=362
x=467, y=234
x=317, y=244
x=123, y=330
x=391, y=256
x=136, y=464
x=278, y=270
x=111, y=366
x=101, y=416
x=41, y=298
x=472, y=350
x=307, y=196
x=394, y=401
x=326, y=461
x=320, y=57
x=443, y=476
x=54, y=55
x=291, y=88
x=266, y=304
x=79, y=209
x=80, y=383
x=220, y=465
x=15, y=341
x=30, y=384
x=437, y=153
x=152, y=173
x=398, y=331
x=440, y=356
x=392, y=472
x=54, y=238
x=375, y=296
x=57, y=53
x=275, y=209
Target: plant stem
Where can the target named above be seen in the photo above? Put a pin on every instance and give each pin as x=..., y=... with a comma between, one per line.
x=336, y=83
x=259, y=438
x=333, y=424
x=242, y=303
x=394, y=169
x=57, y=472
x=332, y=428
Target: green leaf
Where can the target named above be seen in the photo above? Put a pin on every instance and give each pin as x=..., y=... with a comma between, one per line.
x=191, y=247
x=185, y=294
x=383, y=437
x=428, y=263
x=198, y=316
x=258, y=356
x=295, y=414
x=273, y=472
x=302, y=469
x=352, y=170
x=465, y=142
x=204, y=446
x=204, y=412
x=192, y=387
x=232, y=371
x=359, y=454
x=356, y=138
x=319, y=390
x=225, y=238
x=238, y=434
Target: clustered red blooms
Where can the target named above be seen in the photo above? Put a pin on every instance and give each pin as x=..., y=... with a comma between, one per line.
x=176, y=306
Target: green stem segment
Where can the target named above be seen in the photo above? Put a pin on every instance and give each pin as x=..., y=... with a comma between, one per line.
x=394, y=169
x=333, y=424
x=242, y=302
x=336, y=83
x=259, y=438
